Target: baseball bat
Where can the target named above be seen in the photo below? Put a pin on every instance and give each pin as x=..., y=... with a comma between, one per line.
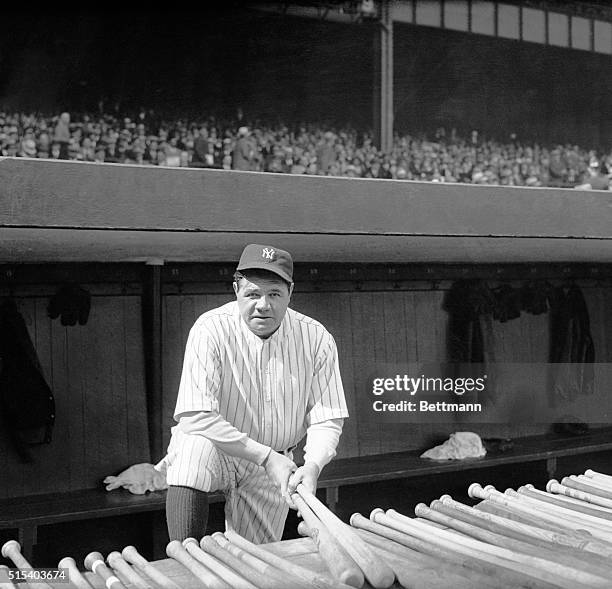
x=475, y=548
x=466, y=563
x=566, y=502
x=496, y=508
x=580, y=486
x=5, y=582
x=345, y=568
x=416, y=577
x=131, y=555
x=595, y=525
x=565, y=499
x=317, y=580
x=557, y=488
x=453, y=575
x=282, y=579
x=537, y=563
x=594, y=474
x=94, y=561
x=519, y=530
x=377, y=573
x=243, y=570
x=12, y=551
x=549, y=559
x=599, y=484
x=203, y=573
x=423, y=572
x=74, y=574
x=340, y=564
x=475, y=490
x=134, y=578
x=596, y=482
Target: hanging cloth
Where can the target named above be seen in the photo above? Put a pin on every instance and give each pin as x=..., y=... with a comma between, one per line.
x=26, y=401
x=572, y=353
x=470, y=305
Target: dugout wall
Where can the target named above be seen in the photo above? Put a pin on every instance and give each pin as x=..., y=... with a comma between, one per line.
x=374, y=259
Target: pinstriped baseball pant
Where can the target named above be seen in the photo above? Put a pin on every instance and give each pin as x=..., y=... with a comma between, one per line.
x=254, y=507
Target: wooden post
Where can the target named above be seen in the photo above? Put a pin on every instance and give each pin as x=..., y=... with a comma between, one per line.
x=152, y=345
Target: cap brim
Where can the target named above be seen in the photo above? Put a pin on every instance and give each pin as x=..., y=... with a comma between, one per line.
x=268, y=268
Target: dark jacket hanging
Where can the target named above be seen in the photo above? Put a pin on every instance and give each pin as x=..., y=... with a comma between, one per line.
x=572, y=352
x=26, y=401
x=470, y=305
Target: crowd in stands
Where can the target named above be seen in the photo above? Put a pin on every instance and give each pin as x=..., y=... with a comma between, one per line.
x=304, y=149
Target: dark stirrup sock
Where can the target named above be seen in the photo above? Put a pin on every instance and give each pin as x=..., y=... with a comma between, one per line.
x=186, y=513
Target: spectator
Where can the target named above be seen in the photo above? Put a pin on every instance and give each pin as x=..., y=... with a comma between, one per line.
x=307, y=149
x=202, y=156
x=61, y=135
x=110, y=153
x=28, y=148
x=242, y=155
x=171, y=153
x=596, y=179
x=44, y=145
x=150, y=153
x=326, y=154
x=556, y=169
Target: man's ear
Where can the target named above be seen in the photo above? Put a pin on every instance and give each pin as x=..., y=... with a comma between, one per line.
x=291, y=289
x=236, y=287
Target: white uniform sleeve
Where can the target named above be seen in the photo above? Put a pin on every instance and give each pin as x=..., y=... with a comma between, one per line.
x=326, y=400
x=321, y=442
x=201, y=375
x=223, y=435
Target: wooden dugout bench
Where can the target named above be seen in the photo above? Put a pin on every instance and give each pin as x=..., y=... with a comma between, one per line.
x=27, y=514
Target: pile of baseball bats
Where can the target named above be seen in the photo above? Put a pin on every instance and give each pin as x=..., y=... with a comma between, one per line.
x=526, y=538
x=125, y=570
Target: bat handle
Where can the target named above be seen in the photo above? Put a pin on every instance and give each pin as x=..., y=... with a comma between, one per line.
x=131, y=554
x=76, y=577
x=475, y=491
x=12, y=550
x=95, y=562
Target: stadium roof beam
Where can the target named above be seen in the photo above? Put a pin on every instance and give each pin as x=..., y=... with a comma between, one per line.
x=342, y=11
x=544, y=23
x=578, y=27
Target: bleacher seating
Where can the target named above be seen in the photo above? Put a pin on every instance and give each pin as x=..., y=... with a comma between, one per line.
x=147, y=138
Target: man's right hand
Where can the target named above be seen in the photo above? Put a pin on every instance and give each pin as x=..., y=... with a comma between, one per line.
x=279, y=468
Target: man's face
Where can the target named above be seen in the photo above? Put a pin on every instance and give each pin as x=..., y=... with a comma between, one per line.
x=262, y=303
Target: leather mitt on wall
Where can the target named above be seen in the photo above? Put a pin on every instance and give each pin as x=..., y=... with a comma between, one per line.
x=71, y=303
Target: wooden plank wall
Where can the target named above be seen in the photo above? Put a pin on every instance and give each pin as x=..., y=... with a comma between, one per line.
x=97, y=371
x=391, y=326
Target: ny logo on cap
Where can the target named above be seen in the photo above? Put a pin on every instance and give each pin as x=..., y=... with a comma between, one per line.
x=267, y=253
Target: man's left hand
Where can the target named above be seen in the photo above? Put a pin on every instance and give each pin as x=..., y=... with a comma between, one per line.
x=308, y=476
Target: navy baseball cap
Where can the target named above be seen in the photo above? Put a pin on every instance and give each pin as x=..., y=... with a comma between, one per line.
x=266, y=257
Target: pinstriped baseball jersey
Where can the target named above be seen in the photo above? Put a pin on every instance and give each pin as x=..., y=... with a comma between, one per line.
x=271, y=389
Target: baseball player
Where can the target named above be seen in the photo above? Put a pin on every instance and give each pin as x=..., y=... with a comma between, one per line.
x=257, y=376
